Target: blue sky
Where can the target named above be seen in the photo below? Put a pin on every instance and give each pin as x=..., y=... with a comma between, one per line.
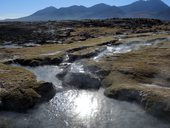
x=19, y=8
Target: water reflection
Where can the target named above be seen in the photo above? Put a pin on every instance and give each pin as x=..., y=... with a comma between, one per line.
x=85, y=105
x=79, y=109
x=47, y=73
x=83, y=109
x=77, y=67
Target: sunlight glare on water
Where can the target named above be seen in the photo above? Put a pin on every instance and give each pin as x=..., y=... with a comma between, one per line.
x=77, y=68
x=85, y=105
x=71, y=108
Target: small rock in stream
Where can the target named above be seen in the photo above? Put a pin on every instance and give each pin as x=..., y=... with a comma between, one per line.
x=81, y=81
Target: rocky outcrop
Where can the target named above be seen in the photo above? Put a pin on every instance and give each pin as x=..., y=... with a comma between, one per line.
x=18, y=100
x=73, y=78
x=19, y=89
x=89, y=53
x=24, y=99
x=153, y=103
x=81, y=81
x=97, y=71
x=37, y=61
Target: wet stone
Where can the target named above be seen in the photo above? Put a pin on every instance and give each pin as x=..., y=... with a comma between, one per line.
x=81, y=81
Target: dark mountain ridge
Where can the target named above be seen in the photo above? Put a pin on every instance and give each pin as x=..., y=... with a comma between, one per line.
x=140, y=9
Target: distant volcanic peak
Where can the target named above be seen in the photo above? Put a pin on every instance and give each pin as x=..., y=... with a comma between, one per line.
x=139, y=9
x=101, y=4
x=148, y=6
x=149, y=2
x=45, y=11
x=50, y=8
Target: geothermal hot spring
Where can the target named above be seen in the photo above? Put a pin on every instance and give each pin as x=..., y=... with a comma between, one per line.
x=73, y=108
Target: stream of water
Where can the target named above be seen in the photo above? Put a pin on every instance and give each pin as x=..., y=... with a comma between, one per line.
x=83, y=109
x=128, y=47
x=71, y=108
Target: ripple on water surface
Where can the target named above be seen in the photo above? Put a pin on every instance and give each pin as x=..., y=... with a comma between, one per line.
x=79, y=109
x=85, y=109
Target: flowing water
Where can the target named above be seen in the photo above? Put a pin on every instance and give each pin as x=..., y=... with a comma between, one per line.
x=83, y=109
x=128, y=47
x=71, y=108
x=10, y=46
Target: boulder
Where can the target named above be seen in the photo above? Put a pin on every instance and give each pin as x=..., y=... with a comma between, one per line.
x=20, y=99
x=46, y=91
x=81, y=81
